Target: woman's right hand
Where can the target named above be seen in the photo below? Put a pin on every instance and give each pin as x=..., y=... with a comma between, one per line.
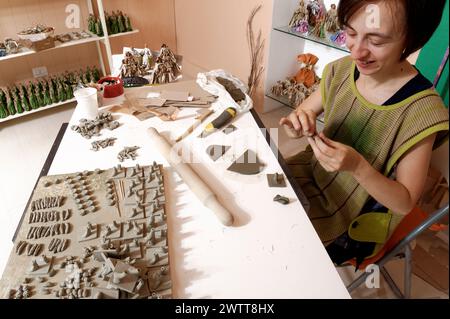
x=300, y=123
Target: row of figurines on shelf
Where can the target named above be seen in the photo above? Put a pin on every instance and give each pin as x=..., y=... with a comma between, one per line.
x=26, y=97
x=300, y=86
x=116, y=22
x=313, y=18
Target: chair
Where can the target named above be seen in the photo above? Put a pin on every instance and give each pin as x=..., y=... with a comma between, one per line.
x=411, y=226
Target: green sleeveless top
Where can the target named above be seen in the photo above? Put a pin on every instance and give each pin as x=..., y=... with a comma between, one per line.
x=382, y=134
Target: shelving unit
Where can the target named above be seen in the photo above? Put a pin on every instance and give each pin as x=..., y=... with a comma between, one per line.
x=43, y=108
x=59, y=45
x=285, y=45
x=104, y=40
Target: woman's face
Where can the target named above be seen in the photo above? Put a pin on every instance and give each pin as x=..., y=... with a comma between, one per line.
x=375, y=37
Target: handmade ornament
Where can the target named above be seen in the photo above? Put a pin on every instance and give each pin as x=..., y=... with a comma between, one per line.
x=306, y=74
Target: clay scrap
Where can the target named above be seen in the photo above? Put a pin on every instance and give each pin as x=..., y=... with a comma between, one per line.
x=247, y=164
x=88, y=128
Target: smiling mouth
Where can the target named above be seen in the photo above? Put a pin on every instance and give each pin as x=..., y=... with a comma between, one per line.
x=365, y=63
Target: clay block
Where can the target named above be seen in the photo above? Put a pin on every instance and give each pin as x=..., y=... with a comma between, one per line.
x=276, y=180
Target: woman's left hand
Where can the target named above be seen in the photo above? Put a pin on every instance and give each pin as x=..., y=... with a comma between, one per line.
x=335, y=156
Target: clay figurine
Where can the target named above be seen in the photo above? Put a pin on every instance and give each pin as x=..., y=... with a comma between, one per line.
x=98, y=28
x=91, y=23
x=314, y=8
x=301, y=14
x=114, y=23
x=10, y=103
x=24, y=100
x=18, y=104
x=127, y=23
x=331, y=20
x=121, y=22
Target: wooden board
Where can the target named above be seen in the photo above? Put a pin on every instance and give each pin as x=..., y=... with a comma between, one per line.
x=73, y=212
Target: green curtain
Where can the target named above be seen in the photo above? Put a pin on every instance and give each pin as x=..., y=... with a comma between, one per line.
x=431, y=56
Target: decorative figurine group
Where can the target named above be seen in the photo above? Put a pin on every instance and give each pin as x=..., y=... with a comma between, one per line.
x=9, y=46
x=26, y=97
x=164, y=68
x=136, y=63
x=312, y=18
x=116, y=22
x=297, y=88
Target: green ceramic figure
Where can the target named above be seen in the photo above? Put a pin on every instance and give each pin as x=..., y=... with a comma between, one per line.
x=2, y=97
x=108, y=22
x=3, y=111
x=60, y=92
x=15, y=92
x=127, y=23
x=121, y=22
x=30, y=84
x=10, y=103
x=84, y=78
x=32, y=97
x=91, y=23
x=3, y=108
x=39, y=96
x=68, y=90
x=95, y=74
x=98, y=28
x=24, y=100
x=18, y=105
x=88, y=75
x=47, y=98
x=53, y=95
x=114, y=23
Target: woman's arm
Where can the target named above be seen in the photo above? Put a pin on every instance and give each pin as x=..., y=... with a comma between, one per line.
x=302, y=121
x=399, y=195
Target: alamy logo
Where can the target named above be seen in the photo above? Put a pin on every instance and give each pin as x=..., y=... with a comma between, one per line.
x=373, y=279
x=373, y=16
x=73, y=19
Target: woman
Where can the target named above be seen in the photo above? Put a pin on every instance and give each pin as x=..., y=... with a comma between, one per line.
x=382, y=120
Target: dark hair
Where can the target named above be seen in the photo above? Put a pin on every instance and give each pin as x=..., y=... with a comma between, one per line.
x=422, y=19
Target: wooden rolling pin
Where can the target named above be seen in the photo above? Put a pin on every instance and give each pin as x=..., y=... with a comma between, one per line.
x=195, y=183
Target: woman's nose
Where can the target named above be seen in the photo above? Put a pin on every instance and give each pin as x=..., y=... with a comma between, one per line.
x=359, y=50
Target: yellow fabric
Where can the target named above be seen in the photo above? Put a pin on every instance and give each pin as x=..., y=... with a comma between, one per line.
x=370, y=227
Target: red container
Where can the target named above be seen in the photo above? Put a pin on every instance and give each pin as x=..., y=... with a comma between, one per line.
x=114, y=89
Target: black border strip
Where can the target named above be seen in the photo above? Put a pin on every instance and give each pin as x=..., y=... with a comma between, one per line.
x=44, y=171
x=298, y=191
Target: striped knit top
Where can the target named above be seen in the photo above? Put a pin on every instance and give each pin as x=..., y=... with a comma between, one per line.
x=382, y=134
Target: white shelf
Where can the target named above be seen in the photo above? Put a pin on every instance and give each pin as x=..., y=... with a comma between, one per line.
x=123, y=33
x=94, y=38
x=310, y=37
x=43, y=108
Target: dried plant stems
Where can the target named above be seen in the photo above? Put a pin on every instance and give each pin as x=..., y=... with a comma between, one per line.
x=256, y=51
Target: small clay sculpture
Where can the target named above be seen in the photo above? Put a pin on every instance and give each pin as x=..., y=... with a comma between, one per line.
x=276, y=180
x=301, y=14
x=281, y=199
x=127, y=23
x=247, y=164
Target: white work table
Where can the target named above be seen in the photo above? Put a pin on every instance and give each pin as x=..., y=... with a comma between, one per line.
x=271, y=251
